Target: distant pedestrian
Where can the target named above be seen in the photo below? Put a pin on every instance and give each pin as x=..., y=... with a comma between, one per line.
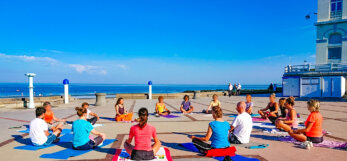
x=275, y=88
x=271, y=88
x=238, y=89
x=230, y=89
x=234, y=89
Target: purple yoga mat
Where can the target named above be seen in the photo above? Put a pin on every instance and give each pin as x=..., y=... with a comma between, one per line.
x=169, y=116
x=258, y=119
x=325, y=143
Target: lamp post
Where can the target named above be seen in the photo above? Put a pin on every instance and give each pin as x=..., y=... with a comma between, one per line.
x=66, y=91
x=31, y=89
x=150, y=90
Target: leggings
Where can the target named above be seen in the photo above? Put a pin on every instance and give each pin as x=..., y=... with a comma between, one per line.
x=92, y=120
x=201, y=146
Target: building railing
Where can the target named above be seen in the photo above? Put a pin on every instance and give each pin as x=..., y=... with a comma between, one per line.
x=316, y=68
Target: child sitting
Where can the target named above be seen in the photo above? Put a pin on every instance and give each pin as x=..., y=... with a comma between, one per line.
x=217, y=133
x=52, y=121
x=160, y=107
x=121, y=113
x=39, y=134
x=214, y=102
x=290, y=121
x=143, y=134
x=90, y=113
x=249, y=104
x=186, y=106
x=312, y=133
x=81, y=129
x=241, y=127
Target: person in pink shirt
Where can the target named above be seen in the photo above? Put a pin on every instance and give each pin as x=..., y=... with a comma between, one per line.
x=143, y=134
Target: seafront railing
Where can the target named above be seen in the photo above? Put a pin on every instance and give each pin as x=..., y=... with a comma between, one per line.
x=316, y=68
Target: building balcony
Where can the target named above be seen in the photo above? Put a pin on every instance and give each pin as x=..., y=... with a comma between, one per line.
x=338, y=69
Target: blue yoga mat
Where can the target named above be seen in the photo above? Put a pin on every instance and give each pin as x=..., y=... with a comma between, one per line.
x=69, y=152
x=191, y=147
x=253, y=115
x=63, y=132
x=29, y=146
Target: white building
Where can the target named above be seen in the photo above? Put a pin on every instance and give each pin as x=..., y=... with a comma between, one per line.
x=327, y=78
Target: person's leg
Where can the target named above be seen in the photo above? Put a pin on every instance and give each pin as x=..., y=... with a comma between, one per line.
x=50, y=139
x=98, y=140
x=191, y=110
x=201, y=146
x=261, y=113
x=57, y=132
x=233, y=139
x=298, y=137
x=92, y=120
x=129, y=116
x=281, y=125
x=128, y=147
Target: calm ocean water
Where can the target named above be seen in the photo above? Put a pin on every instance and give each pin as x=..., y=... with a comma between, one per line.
x=85, y=90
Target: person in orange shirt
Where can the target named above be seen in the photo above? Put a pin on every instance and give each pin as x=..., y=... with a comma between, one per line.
x=53, y=122
x=121, y=113
x=313, y=131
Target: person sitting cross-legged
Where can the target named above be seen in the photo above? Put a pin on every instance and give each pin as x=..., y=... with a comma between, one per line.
x=241, y=128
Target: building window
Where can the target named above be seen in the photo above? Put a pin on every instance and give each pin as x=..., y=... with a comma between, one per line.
x=335, y=39
x=334, y=53
x=336, y=9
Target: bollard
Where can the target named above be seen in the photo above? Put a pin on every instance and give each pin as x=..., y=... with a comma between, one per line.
x=100, y=99
x=196, y=95
x=150, y=90
x=66, y=91
x=31, y=89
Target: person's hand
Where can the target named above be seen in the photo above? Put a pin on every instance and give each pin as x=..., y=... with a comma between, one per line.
x=63, y=120
x=192, y=136
x=98, y=118
x=296, y=131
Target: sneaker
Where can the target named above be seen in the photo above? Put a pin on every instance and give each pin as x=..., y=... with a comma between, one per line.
x=101, y=144
x=157, y=115
x=310, y=144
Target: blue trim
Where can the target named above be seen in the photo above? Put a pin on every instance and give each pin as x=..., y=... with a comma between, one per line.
x=149, y=82
x=335, y=30
x=65, y=81
x=344, y=39
x=321, y=41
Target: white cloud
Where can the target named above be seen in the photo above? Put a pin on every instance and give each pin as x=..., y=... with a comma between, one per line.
x=52, y=51
x=90, y=69
x=47, y=60
x=124, y=67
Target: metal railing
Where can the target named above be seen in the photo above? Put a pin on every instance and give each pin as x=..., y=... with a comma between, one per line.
x=316, y=68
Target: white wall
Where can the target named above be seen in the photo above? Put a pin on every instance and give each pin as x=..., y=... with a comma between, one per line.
x=344, y=52
x=321, y=53
x=344, y=10
x=323, y=10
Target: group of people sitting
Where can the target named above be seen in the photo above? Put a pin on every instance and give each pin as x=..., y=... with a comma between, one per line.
x=219, y=132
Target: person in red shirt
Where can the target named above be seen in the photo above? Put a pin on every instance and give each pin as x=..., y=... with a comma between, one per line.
x=53, y=122
x=313, y=131
x=143, y=134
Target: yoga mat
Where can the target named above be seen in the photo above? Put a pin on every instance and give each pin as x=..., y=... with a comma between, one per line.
x=324, y=144
x=191, y=147
x=29, y=146
x=122, y=155
x=169, y=116
x=108, y=118
x=63, y=132
x=253, y=115
x=258, y=119
x=252, y=145
x=69, y=152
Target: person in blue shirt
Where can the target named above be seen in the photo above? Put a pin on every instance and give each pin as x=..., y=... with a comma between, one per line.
x=81, y=129
x=217, y=133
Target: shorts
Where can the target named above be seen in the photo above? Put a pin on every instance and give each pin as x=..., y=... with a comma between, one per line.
x=233, y=139
x=50, y=139
x=142, y=155
x=89, y=145
x=315, y=139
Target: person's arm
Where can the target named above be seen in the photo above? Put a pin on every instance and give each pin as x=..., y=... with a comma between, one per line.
x=156, y=108
x=266, y=108
x=97, y=133
x=166, y=108
x=208, y=108
x=116, y=108
x=207, y=136
x=231, y=128
x=131, y=135
x=57, y=120
x=307, y=129
x=250, y=109
x=94, y=114
x=292, y=114
x=182, y=109
x=47, y=133
x=276, y=109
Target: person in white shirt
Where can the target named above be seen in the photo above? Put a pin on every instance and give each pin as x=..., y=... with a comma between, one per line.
x=230, y=89
x=90, y=113
x=238, y=89
x=241, y=127
x=39, y=134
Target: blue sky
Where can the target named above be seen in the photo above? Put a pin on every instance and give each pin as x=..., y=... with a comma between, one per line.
x=168, y=42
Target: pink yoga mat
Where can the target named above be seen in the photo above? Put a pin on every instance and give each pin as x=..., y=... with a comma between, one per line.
x=258, y=119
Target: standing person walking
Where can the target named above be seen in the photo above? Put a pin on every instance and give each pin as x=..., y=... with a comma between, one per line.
x=238, y=89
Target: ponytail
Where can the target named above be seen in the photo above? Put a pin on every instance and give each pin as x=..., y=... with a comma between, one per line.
x=143, y=115
x=80, y=111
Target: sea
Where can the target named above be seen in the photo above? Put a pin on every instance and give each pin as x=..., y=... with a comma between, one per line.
x=81, y=90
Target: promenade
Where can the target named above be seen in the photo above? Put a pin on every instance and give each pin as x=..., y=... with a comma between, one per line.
x=173, y=131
